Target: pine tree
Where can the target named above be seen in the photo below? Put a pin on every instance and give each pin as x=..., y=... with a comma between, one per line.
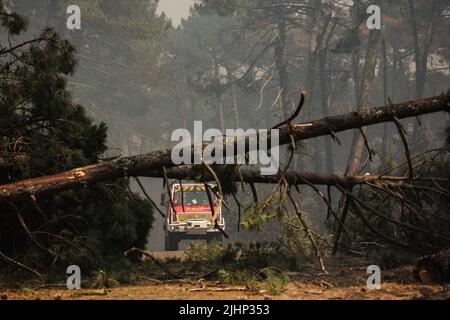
x=42, y=131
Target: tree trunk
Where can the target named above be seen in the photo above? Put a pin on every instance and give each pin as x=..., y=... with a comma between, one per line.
x=364, y=99
x=325, y=87
x=180, y=104
x=192, y=102
x=356, y=13
x=384, y=142
x=365, y=93
x=235, y=107
x=421, y=56
x=320, y=55
x=312, y=57
x=221, y=114
x=141, y=164
x=325, y=100
x=279, y=56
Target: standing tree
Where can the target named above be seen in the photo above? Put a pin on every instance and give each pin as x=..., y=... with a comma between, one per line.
x=42, y=131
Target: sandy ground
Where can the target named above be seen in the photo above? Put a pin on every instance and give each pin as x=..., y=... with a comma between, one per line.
x=296, y=290
x=343, y=281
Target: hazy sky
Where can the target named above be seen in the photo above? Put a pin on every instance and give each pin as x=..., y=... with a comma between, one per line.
x=175, y=9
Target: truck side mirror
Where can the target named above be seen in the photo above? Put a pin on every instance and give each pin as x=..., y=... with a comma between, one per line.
x=163, y=199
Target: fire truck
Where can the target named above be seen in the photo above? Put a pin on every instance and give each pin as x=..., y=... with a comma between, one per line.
x=192, y=213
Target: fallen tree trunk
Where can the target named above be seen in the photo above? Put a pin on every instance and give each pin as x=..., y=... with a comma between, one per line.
x=141, y=164
x=296, y=178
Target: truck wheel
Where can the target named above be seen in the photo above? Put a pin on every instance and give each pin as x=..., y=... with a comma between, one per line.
x=172, y=241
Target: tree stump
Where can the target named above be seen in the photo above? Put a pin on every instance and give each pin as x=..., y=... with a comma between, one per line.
x=434, y=269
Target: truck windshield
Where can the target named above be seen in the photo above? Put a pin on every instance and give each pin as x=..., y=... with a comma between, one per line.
x=192, y=198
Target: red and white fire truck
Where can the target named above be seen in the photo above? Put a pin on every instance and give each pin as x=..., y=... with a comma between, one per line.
x=192, y=214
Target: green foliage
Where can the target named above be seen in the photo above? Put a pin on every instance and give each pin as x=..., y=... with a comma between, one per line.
x=104, y=281
x=272, y=279
x=226, y=174
x=129, y=85
x=259, y=213
x=260, y=266
x=254, y=219
x=42, y=131
x=199, y=252
x=114, y=220
x=221, y=7
x=295, y=240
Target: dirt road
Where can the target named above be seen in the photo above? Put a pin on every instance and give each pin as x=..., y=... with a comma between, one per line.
x=340, y=283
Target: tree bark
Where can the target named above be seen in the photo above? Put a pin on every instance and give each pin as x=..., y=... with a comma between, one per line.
x=312, y=56
x=279, y=56
x=325, y=89
x=421, y=54
x=356, y=54
x=384, y=142
x=179, y=103
x=364, y=99
x=235, y=106
x=365, y=93
x=421, y=58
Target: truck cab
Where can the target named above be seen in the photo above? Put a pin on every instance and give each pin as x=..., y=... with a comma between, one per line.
x=190, y=214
